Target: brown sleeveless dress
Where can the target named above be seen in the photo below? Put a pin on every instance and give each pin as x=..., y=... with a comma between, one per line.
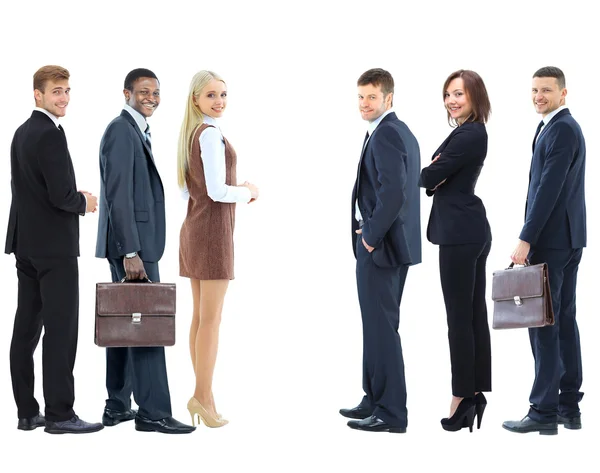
x=206, y=237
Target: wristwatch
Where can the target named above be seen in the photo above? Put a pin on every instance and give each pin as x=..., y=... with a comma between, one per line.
x=131, y=255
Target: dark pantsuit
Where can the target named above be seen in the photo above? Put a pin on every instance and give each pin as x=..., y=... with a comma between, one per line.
x=141, y=370
x=48, y=297
x=556, y=349
x=462, y=271
x=379, y=293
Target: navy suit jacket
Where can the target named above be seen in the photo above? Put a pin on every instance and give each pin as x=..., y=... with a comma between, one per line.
x=132, y=203
x=388, y=195
x=555, y=215
x=457, y=215
x=45, y=209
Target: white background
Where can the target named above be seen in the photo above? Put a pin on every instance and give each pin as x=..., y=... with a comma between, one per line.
x=290, y=353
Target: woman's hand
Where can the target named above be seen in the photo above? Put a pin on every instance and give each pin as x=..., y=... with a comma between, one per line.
x=253, y=191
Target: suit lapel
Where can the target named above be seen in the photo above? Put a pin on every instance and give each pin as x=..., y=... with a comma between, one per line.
x=550, y=123
x=389, y=116
x=131, y=120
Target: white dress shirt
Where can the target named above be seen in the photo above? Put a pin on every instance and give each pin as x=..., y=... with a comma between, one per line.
x=212, y=151
x=370, y=130
x=140, y=120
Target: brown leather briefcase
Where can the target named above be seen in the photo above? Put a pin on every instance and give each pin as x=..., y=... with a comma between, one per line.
x=135, y=314
x=522, y=297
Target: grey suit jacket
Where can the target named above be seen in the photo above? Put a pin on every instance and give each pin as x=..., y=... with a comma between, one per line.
x=132, y=203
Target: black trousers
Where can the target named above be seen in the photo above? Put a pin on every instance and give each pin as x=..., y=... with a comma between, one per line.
x=462, y=271
x=138, y=370
x=379, y=294
x=48, y=297
x=556, y=348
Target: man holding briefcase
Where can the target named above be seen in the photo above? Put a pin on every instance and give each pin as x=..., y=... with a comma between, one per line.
x=131, y=235
x=555, y=233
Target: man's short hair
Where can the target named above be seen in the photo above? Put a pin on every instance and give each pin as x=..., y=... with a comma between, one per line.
x=137, y=74
x=378, y=77
x=551, y=71
x=49, y=73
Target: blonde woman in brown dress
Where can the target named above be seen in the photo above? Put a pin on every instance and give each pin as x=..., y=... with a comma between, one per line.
x=207, y=174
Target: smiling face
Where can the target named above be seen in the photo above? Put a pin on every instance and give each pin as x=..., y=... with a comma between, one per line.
x=55, y=97
x=372, y=103
x=547, y=95
x=212, y=101
x=457, y=102
x=145, y=96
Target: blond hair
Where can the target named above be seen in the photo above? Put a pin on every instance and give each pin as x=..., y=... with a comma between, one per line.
x=192, y=119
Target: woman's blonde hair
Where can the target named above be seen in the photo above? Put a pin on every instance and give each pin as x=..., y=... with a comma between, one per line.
x=192, y=119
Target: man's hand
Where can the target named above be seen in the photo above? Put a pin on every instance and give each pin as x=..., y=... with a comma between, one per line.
x=521, y=251
x=134, y=268
x=91, y=202
x=366, y=245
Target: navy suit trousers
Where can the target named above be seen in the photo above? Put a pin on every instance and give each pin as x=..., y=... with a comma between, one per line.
x=379, y=294
x=556, y=349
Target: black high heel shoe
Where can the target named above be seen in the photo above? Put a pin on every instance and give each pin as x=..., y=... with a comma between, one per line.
x=480, y=403
x=462, y=417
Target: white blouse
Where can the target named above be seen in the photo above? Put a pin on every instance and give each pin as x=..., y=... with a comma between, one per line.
x=212, y=151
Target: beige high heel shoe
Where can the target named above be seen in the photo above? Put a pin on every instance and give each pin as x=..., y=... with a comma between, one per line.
x=196, y=409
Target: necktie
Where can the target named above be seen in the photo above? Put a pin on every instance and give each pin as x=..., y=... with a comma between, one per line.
x=366, y=139
x=148, y=136
x=61, y=128
x=537, y=132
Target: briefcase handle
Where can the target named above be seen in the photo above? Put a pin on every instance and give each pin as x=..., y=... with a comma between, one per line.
x=146, y=279
x=512, y=264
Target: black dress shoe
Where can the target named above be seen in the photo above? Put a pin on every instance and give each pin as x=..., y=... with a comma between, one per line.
x=31, y=423
x=168, y=425
x=375, y=424
x=72, y=426
x=527, y=424
x=357, y=412
x=112, y=417
x=572, y=423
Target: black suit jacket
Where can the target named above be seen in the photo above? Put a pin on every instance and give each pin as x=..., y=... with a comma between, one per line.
x=45, y=208
x=132, y=203
x=457, y=214
x=555, y=214
x=388, y=195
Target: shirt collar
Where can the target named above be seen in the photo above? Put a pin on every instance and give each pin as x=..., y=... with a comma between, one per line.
x=138, y=117
x=210, y=121
x=46, y=112
x=551, y=115
x=374, y=123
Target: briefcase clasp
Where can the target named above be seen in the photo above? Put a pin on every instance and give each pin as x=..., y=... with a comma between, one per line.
x=518, y=300
x=136, y=318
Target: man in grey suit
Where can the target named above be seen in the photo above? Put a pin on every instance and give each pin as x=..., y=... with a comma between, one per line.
x=131, y=235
